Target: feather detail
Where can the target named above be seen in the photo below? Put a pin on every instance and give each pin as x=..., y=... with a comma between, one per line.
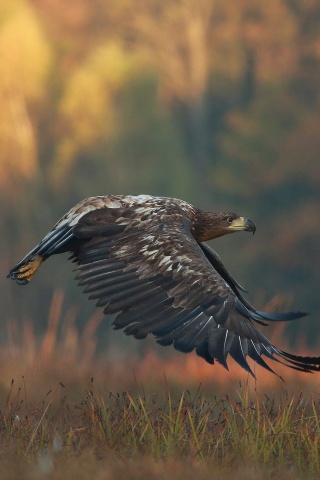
x=143, y=259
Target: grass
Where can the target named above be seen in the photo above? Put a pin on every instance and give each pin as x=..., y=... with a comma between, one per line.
x=148, y=418
x=191, y=433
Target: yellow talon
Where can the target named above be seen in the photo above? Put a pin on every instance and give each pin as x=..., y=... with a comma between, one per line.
x=27, y=271
x=24, y=267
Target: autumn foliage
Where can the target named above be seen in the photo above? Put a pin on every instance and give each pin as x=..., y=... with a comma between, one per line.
x=213, y=102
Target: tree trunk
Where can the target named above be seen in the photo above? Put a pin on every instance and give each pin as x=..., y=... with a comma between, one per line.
x=199, y=151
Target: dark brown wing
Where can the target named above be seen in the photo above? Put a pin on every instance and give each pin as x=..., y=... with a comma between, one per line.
x=145, y=266
x=257, y=315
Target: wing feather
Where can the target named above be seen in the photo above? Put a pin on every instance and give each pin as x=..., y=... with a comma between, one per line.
x=136, y=257
x=160, y=281
x=216, y=262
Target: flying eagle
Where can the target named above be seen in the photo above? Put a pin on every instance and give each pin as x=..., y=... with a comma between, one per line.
x=144, y=259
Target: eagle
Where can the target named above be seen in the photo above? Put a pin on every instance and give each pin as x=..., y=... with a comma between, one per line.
x=145, y=260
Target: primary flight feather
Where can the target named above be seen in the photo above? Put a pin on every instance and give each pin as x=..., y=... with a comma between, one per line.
x=144, y=259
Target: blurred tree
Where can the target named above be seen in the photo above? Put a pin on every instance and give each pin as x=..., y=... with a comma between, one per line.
x=215, y=101
x=269, y=153
x=87, y=107
x=176, y=36
x=24, y=66
x=203, y=50
x=112, y=124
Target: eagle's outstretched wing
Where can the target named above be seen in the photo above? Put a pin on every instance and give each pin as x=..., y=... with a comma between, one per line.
x=157, y=279
x=137, y=258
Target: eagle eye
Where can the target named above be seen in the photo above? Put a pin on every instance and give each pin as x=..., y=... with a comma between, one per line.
x=230, y=219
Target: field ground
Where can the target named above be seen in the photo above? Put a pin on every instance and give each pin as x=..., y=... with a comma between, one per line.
x=67, y=414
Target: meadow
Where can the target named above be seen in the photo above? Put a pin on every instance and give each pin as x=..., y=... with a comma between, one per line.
x=216, y=102
x=66, y=412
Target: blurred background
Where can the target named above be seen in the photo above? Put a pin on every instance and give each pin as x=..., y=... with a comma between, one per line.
x=216, y=102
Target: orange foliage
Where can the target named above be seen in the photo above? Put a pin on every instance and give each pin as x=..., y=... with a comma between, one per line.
x=71, y=359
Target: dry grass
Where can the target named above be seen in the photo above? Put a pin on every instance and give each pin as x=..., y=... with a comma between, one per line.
x=147, y=418
x=103, y=435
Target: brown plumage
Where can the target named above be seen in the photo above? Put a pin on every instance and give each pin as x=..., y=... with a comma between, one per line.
x=143, y=259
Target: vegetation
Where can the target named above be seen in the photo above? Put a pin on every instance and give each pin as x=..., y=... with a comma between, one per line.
x=124, y=432
x=151, y=420
x=216, y=102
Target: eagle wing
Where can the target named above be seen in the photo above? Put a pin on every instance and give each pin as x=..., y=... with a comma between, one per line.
x=258, y=316
x=144, y=265
x=138, y=259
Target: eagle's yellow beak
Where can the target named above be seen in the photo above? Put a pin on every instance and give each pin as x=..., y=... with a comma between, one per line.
x=243, y=223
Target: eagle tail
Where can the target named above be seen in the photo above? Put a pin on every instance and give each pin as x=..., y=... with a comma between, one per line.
x=52, y=243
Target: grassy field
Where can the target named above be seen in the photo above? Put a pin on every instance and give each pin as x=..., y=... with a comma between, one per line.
x=67, y=414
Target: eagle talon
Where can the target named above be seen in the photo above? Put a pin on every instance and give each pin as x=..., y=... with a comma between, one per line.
x=26, y=272
x=24, y=268
x=27, y=276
